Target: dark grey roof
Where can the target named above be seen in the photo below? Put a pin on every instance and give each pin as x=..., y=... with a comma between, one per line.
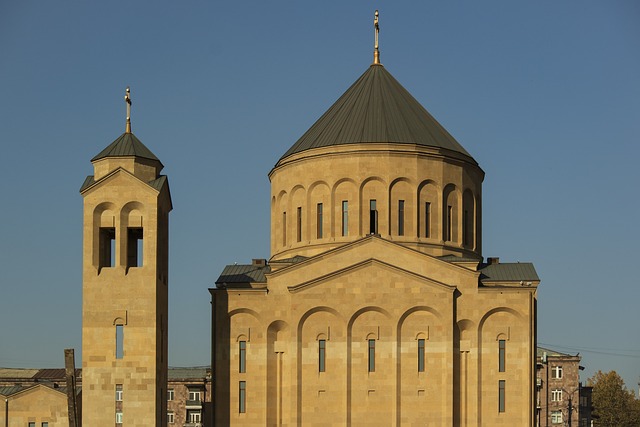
x=509, y=272
x=9, y=390
x=187, y=373
x=376, y=109
x=126, y=145
x=293, y=260
x=243, y=274
x=541, y=350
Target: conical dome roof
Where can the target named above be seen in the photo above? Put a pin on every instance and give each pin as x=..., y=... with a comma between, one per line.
x=376, y=109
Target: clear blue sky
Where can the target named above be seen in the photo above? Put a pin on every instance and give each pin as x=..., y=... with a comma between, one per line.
x=545, y=95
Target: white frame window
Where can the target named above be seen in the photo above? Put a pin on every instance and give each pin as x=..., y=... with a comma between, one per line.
x=170, y=418
x=556, y=417
x=194, y=416
x=556, y=372
x=170, y=394
x=556, y=395
x=195, y=395
x=118, y=417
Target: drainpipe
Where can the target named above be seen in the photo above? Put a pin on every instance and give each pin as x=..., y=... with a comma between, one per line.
x=6, y=412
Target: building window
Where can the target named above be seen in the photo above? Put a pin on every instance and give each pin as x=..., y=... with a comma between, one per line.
x=32, y=424
x=501, y=395
x=194, y=395
x=345, y=217
x=170, y=418
x=502, y=346
x=421, y=343
x=556, y=395
x=243, y=357
x=319, y=221
x=373, y=217
x=556, y=372
x=556, y=417
x=449, y=223
x=322, y=348
x=107, y=247
x=299, y=224
x=44, y=424
x=118, y=417
x=194, y=416
x=242, y=397
x=284, y=228
x=119, y=341
x=400, y=217
x=134, y=247
x=118, y=392
x=170, y=394
x=465, y=227
x=372, y=355
x=427, y=219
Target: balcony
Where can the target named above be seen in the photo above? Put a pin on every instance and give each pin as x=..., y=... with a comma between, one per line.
x=194, y=404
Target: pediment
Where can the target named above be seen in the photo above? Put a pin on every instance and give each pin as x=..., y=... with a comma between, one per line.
x=371, y=274
x=121, y=177
x=371, y=253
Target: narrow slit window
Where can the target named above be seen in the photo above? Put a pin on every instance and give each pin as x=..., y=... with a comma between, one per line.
x=372, y=355
x=427, y=219
x=345, y=217
x=319, y=221
x=322, y=348
x=119, y=341
x=242, y=368
x=501, y=396
x=299, y=224
x=284, y=228
x=242, y=397
x=134, y=247
x=421, y=344
x=449, y=223
x=107, y=247
x=373, y=217
x=465, y=227
x=502, y=347
x=118, y=392
x=400, y=217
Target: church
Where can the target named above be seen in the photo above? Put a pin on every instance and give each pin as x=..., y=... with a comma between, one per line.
x=376, y=306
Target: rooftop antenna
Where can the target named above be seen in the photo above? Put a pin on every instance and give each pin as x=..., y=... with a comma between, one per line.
x=376, y=51
x=127, y=98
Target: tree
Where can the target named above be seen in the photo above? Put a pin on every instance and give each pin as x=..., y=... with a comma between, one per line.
x=614, y=405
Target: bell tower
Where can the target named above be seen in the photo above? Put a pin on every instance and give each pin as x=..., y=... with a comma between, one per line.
x=125, y=268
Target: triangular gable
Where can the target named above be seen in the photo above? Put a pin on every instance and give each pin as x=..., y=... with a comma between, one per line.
x=371, y=263
x=371, y=248
x=121, y=172
x=40, y=388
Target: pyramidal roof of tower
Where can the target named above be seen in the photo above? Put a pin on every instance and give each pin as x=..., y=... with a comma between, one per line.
x=126, y=145
x=376, y=109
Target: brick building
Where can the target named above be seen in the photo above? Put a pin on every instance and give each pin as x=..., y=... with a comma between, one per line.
x=189, y=400
x=561, y=399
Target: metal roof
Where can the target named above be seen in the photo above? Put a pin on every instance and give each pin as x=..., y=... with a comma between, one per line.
x=18, y=372
x=126, y=145
x=243, y=274
x=541, y=350
x=188, y=373
x=376, y=109
x=54, y=373
x=509, y=272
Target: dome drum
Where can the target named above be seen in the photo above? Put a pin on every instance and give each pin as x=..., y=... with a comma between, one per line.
x=409, y=194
